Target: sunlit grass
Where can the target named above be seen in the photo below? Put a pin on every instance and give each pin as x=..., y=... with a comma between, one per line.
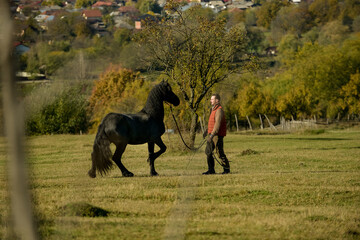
x=285, y=186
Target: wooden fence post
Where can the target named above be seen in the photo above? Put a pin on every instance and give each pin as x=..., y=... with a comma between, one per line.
x=283, y=123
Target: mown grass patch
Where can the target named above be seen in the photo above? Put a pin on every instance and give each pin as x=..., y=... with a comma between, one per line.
x=290, y=186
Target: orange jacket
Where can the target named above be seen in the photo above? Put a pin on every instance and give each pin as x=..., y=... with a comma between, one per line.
x=217, y=121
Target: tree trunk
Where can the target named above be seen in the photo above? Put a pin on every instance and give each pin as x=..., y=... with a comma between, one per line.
x=194, y=120
x=237, y=123
x=201, y=125
x=261, y=122
x=247, y=117
x=270, y=123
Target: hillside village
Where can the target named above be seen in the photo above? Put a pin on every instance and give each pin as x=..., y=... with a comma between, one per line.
x=123, y=14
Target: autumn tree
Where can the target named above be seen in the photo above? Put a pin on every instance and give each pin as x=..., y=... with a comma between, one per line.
x=59, y=29
x=297, y=102
x=84, y=3
x=324, y=11
x=31, y=32
x=356, y=24
x=81, y=29
x=122, y=37
x=232, y=17
x=146, y=6
x=194, y=52
x=46, y=58
x=117, y=90
x=294, y=19
x=268, y=11
x=314, y=79
x=351, y=94
x=333, y=33
x=250, y=100
x=256, y=38
x=289, y=44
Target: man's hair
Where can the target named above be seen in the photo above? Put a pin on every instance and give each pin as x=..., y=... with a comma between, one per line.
x=217, y=96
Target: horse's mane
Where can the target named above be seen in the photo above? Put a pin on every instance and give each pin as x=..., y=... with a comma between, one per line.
x=154, y=103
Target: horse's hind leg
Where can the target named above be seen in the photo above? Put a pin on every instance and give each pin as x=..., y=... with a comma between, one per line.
x=117, y=159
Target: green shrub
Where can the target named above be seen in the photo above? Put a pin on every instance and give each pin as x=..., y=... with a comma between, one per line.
x=66, y=114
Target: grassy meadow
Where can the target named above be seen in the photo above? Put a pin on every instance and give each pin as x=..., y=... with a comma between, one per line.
x=303, y=185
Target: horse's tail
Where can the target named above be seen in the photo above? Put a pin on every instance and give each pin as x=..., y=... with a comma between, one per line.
x=101, y=155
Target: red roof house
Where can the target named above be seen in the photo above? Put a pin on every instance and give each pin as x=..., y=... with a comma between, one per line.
x=128, y=10
x=92, y=15
x=101, y=4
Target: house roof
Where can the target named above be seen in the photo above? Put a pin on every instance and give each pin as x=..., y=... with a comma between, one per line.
x=235, y=10
x=92, y=13
x=102, y=4
x=128, y=9
x=17, y=43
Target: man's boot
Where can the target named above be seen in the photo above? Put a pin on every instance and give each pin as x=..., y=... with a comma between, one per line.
x=211, y=166
x=208, y=172
x=226, y=165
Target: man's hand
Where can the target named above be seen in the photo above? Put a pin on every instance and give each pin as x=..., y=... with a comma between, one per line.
x=210, y=138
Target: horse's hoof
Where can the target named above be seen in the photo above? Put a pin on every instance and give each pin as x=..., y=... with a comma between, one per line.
x=128, y=174
x=92, y=174
x=154, y=173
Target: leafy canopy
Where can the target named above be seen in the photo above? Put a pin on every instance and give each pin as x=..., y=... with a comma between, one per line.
x=194, y=51
x=117, y=90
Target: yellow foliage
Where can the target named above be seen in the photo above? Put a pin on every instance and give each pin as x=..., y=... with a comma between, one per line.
x=297, y=102
x=351, y=94
x=117, y=90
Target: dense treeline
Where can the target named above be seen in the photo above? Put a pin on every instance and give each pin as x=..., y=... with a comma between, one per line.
x=314, y=72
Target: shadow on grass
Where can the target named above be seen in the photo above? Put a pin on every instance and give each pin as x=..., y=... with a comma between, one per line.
x=82, y=209
x=318, y=139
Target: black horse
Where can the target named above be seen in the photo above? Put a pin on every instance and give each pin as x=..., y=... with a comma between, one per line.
x=147, y=126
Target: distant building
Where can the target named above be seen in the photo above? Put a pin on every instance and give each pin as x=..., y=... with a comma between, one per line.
x=20, y=49
x=216, y=5
x=144, y=18
x=92, y=16
x=242, y=5
x=271, y=51
x=102, y=4
x=128, y=11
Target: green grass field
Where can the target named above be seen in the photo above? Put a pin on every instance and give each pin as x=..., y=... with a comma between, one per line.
x=285, y=186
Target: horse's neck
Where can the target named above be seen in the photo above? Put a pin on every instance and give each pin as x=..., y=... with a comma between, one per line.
x=154, y=107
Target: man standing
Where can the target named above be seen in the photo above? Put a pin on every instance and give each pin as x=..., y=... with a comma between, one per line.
x=215, y=136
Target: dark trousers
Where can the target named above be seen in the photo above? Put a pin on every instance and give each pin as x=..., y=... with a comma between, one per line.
x=216, y=145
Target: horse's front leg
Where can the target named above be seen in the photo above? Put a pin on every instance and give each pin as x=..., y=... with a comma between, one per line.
x=153, y=156
x=151, y=159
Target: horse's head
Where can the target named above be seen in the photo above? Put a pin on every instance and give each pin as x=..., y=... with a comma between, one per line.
x=169, y=95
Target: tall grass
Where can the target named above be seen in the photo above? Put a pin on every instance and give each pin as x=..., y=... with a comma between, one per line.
x=294, y=186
